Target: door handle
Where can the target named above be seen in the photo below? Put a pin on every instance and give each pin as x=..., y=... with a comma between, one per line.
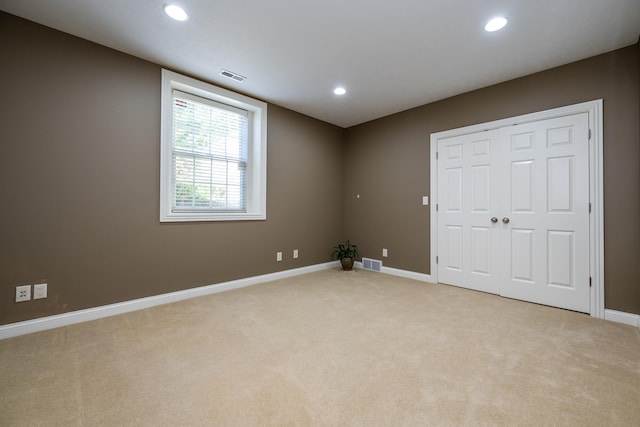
x=494, y=220
x=505, y=220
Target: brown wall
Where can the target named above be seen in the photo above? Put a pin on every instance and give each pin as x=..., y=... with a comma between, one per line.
x=387, y=163
x=79, y=183
x=79, y=177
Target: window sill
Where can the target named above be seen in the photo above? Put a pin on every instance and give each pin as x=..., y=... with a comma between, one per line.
x=212, y=217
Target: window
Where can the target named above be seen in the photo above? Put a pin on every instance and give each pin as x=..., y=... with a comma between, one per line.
x=213, y=153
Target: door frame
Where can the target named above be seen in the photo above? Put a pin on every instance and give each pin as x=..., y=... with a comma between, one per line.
x=596, y=187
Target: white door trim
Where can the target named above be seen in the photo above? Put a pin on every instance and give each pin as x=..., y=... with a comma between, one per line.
x=596, y=188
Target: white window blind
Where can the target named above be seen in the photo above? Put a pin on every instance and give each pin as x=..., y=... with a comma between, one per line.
x=209, y=155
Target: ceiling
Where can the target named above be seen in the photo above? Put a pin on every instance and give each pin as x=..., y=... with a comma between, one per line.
x=389, y=55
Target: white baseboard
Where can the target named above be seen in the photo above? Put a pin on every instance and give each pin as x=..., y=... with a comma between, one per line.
x=59, y=320
x=407, y=274
x=611, y=315
x=622, y=317
x=79, y=316
x=402, y=273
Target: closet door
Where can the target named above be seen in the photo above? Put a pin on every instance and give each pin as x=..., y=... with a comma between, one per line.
x=468, y=199
x=513, y=211
x=545, y=217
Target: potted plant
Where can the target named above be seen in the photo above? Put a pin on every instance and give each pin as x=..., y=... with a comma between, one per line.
x=346, y=253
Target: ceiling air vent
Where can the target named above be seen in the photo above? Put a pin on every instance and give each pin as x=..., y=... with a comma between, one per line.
x=232, y=75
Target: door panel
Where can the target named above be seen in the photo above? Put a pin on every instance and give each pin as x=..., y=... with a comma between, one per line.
x=560, y=258
x=560, y=177
x=454, y=190
x=480, y=247
x=466, y=199
x=522, y=262
x=454, y=248
x=522, y=190
x=481, y=181
x=549, y=190
x=522, y=141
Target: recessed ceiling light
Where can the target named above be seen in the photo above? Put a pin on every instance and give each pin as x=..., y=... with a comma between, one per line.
x=495, y=24
x=339, y=91
x=176, y=12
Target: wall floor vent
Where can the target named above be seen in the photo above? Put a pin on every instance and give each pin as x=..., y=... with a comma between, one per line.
x=371, y=264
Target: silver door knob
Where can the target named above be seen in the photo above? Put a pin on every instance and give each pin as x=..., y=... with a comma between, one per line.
x=505, y=220
x=494, y=220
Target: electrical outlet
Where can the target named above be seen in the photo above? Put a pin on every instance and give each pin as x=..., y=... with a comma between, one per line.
x=23, y=293
x=295, y=253
x=385, y=252
x=278, y=256
x=40, y=291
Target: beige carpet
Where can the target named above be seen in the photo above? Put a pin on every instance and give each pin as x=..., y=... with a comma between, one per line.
x=330, y=348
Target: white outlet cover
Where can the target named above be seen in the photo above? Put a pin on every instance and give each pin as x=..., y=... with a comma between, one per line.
x=295, y=253
x=40, y=291
x=278, y=256
x=385, y=252
x=23, y=293
x=425, y=200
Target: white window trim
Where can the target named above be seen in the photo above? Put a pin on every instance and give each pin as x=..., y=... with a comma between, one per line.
x=256, y=156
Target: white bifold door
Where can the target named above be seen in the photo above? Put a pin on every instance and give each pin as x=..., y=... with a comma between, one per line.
x=513, y=211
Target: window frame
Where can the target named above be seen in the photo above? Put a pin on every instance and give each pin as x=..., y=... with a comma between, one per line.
x=256, y=175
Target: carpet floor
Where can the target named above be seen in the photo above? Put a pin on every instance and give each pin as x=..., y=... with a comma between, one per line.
x=329, y=348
